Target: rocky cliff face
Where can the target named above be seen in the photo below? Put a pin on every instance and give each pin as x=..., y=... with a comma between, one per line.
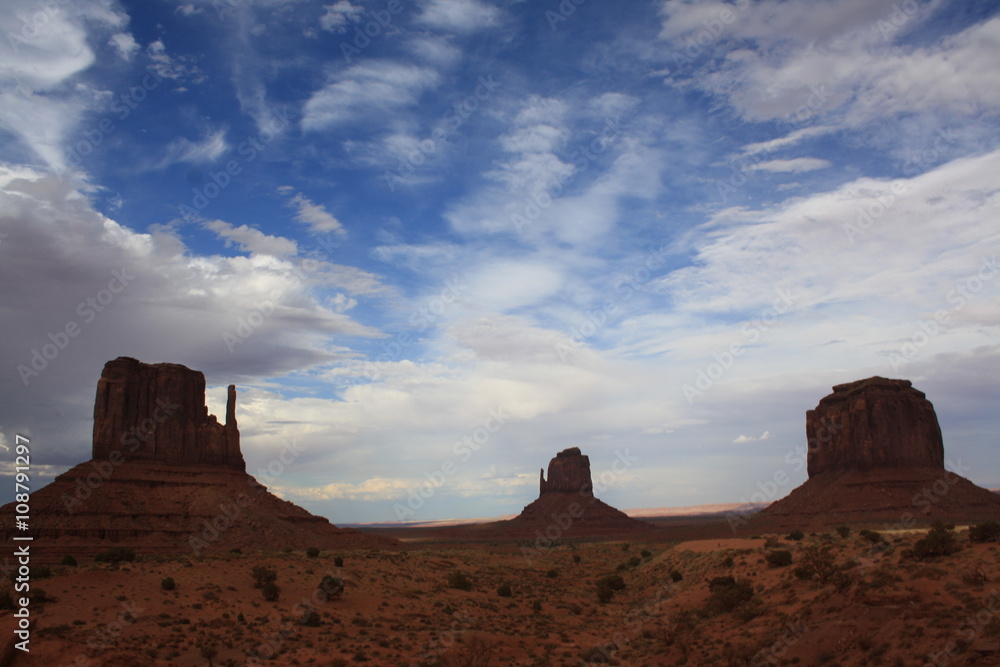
x=569, y=472
x=873, y=423
x=157, y=412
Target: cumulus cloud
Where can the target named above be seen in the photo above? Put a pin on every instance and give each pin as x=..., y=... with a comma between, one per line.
x=336, y=16
x=460, y=16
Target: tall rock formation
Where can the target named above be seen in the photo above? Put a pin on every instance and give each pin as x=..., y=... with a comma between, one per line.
x=873, y=423
x=569, y=472
x=157, y=412
x=875, y=456
x=167, y=477
x=566, y=507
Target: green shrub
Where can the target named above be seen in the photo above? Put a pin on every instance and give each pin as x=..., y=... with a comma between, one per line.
x=262, y=576
x=68, y=561
x=778, y=558
x=331, y=587
x=612, y=581
x=168, y=584
x=271, y=591
x=459, y=580
x=816, y=561
x=310, y=618
x=312, y=552
x=939, y=541
x=115, y=555
x=727, y=594
x=871, y=536
x=985, y=532
x=795, y=535
x=843, y=531
x=504, y=590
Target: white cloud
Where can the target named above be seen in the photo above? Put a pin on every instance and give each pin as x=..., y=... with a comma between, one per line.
x=248, y=239
x=794, y=165
x=365, y=89
x=336, y=16
x=792, y=138
x=188, y=9
x=461, y=16
x=125, y=44
x=314, y=215
x=207, y=150
x=179, y=68
x=742, y=439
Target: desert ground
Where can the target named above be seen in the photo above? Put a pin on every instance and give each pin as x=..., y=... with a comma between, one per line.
x=844, y=599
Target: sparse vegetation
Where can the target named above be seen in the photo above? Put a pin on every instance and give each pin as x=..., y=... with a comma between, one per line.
x=939, y=541
x=168, y=584
x=262, y=576
x=985, y=532
x=312, y=552
x=675, y=575
x=843, y=531
x=271, y=591
x=338, y=561
x=504, y=590
x=727, y=594
x=778, y=558
x=68, y=561
x=795, y=535
x=331, y=587
x=871, y=536
x=816, y=562
x=115, y=555
x=460, y=580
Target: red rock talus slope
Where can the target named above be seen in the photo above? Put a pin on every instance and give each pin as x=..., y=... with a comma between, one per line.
x=166, y=477
x=876, y=456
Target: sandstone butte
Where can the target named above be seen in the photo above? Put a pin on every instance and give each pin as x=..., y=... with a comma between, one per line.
x=567, y=508
x=875, y=455
x=167, y=477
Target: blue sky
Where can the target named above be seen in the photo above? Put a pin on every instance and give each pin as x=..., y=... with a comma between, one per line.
x=435, y=242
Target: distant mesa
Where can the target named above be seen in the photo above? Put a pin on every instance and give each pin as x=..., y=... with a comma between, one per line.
x=566, y=505
x=875, y=454
x=167, y=477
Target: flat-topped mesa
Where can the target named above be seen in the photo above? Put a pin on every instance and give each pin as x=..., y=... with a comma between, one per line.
x=569, y=472
x=873, y=423
x=157, y=412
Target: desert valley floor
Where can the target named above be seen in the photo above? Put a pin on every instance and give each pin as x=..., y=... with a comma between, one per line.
x=842, y=601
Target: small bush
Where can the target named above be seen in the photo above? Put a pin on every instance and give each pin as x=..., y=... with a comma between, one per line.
x=168, y=584
x=727, y=561
x=612, y=581
x=816, y=561
x=338, y=561
x=115, y=555
x=871, y=536
x=939, y=541
x=68, y=561
x=310, y=619
x=504, y=590
x=6, y=600
x=843, y=531
x=236, y=550
x=675, y=575
x=331, y=587
x=604, y=594
x=795, y=535
x=41, y=572
x=727, y=594
x=646, y=553
x=576, y=558
x=271, y=591
x=778, y=558
x=536, y=606
x=985, y=532
x=312, y=552
x=552, y=574
x=459, y=580
x=262, y=576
